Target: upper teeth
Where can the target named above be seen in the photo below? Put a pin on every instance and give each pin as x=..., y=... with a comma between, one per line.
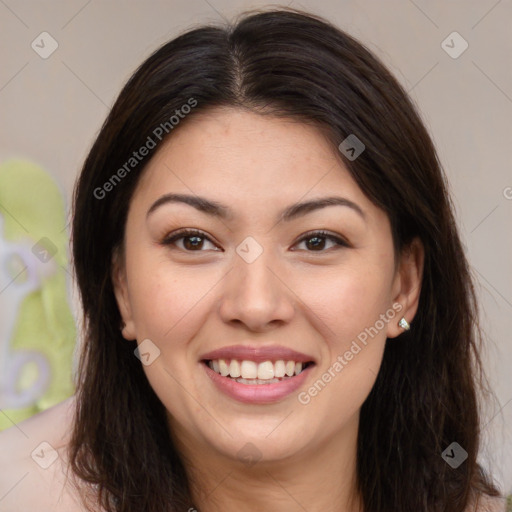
x=252, y=370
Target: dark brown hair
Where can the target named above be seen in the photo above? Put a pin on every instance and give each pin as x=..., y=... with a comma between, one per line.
x=285, y=63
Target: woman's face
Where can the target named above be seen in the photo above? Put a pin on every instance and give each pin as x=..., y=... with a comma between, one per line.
x=255, y=292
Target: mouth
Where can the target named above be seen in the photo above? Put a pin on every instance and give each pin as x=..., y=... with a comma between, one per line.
x=257, y=382
x=253, y=373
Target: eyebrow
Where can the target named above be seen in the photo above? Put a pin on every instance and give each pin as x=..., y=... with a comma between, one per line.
x=222, y=211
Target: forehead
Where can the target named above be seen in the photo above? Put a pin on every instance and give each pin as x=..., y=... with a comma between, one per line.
x=249, y=160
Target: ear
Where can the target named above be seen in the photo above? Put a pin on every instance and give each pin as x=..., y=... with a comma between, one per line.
x=119, y=282
x=407, y=285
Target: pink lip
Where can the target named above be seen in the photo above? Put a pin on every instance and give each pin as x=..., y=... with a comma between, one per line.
x=257, y=393
x=258, y=354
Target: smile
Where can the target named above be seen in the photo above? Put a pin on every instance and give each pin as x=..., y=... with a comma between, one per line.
x=249, y=387
x=257, y=374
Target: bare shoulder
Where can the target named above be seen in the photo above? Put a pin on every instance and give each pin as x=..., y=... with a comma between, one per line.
x=489, y=504
x=34, y=463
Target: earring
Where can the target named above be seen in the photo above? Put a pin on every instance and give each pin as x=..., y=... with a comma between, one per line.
x=404, y=324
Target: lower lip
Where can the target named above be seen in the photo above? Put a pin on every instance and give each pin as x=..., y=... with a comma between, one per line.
x=257, y=393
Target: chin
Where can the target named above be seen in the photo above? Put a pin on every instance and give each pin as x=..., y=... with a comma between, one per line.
x=251, y=445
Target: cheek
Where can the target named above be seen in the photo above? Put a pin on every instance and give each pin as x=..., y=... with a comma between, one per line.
x=350, y=308
x=167, y=300
x=348, y=301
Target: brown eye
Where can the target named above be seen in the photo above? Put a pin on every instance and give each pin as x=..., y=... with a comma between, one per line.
x=193, y=240
x=316, y=241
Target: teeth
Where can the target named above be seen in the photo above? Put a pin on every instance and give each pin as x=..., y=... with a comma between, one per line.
x=266, y=370
x=224, y=368
x=257, y=381
x=234, y=368
x=279, y=369
x=250, y=372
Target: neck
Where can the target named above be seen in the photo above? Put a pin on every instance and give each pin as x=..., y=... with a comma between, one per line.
x=322, y=478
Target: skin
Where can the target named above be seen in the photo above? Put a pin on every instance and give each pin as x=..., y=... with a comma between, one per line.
x=189, y=300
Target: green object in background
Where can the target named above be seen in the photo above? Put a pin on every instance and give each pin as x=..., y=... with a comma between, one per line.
x=37, y=329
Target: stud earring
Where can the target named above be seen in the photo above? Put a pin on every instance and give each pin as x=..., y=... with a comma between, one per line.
x=404, y=324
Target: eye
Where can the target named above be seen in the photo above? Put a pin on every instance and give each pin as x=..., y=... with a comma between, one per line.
x=193, y=240
x=317, y=240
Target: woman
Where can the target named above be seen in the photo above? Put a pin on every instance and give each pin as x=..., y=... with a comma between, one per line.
x=279, y=314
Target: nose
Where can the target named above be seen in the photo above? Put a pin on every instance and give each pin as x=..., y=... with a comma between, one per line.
x=256, y=295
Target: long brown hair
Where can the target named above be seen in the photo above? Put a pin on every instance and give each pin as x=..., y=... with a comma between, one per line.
x=292, y=64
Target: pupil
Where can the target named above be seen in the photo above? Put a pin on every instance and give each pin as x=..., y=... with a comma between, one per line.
x=195, y=244
x=319, y=241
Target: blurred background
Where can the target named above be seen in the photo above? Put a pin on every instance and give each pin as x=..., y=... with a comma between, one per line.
x=63, y=64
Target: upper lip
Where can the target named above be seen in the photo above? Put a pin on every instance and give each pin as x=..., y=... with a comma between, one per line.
x=257, y=354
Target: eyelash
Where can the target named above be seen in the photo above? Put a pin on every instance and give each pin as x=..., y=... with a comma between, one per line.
x=171, y=239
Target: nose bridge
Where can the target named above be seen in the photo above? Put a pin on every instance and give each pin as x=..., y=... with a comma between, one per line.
x=254, y=293
x=255, y=277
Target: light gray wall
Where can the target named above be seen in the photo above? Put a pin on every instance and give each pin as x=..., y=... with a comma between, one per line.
x=52, y=108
